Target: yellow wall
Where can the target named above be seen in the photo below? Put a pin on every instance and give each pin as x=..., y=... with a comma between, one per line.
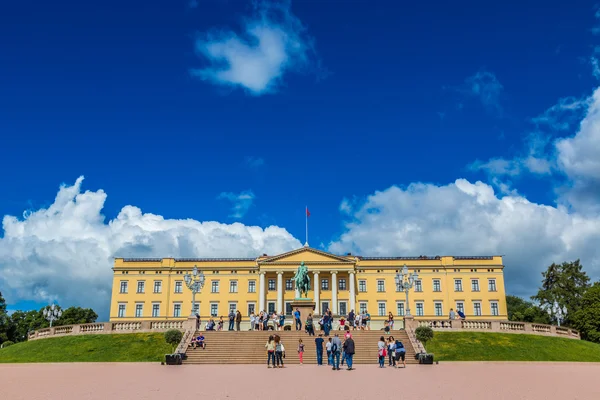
x=446, y=269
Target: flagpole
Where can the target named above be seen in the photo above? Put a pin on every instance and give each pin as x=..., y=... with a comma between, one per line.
x=306, y=216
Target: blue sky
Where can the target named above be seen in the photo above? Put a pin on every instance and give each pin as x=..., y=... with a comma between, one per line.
x=242, y=112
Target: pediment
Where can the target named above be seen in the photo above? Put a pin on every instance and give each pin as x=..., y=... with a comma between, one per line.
x=308, y=255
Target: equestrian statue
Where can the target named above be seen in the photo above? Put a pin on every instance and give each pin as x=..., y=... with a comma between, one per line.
x=302, y=280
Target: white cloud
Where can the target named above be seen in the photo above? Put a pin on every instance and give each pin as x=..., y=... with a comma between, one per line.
x=485, y=86
x=241, y=202
x=65, y=252
x=466, y=218
x=272, y=43
x=345, y=206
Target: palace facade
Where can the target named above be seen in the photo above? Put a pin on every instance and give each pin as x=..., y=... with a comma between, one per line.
x=155, y=289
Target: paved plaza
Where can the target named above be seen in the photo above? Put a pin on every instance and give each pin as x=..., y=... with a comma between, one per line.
x=444, y=381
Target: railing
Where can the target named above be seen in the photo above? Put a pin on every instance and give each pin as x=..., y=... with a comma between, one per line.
x=91, y=328
x=166, y=325
x=495, y=326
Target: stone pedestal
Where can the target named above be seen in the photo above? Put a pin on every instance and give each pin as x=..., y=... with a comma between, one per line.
x=409, y=322
x=305, y=306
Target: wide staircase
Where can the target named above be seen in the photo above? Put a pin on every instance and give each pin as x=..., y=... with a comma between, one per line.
x=248, y=347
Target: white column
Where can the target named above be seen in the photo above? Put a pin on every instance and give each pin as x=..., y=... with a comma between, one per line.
x=352, y=305
x=261, y=291
x=334, y=302
x=279, y=291
x=317, y=288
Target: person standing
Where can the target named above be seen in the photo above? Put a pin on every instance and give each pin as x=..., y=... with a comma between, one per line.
x=319, y=343
x=391, y=348
x=351, y=318
x=279, y=351
x=400, y=353
x=270, y=346
x=310, y=328
x=297, y=318
x=281, y=321
x=300, y=350
x=381, y=350
x=238, y=320
x=391, y=321
x=231, y=319
x=452, y=314
x=349, y=350
x=252, y=321
x=328, y=348
x=336, y=348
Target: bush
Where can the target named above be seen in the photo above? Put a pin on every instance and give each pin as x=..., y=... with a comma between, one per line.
x=424, y=334
x=173, y=337
x=7, y=343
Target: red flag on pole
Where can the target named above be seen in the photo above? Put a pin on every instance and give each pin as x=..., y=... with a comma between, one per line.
x=307, y=212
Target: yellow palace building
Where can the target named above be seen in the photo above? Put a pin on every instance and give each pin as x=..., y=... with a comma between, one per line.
x=155, y=289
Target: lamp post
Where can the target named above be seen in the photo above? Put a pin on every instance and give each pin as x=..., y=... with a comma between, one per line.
x=405, y=282
x=194, y=282
x=52, y=313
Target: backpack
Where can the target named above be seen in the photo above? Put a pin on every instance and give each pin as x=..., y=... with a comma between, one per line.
x=400, y=347
x=334, y=348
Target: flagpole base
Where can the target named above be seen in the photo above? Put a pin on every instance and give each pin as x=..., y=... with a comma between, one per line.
x=306, y=244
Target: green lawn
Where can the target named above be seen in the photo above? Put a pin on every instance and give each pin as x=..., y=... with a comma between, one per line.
x=477, y=346
x=130, y=347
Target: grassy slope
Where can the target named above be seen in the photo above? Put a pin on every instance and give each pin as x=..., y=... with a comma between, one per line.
x=472, y=346
x=84, y=348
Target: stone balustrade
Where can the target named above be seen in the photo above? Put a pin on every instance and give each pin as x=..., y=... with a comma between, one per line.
x=495, y=326
x=107, y=328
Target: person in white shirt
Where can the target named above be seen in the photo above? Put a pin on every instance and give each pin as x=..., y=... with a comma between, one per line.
x=328, y=348
x=252, y=321
x=358, y=321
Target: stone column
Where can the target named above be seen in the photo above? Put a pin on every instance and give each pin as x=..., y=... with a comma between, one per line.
x=316, y=288
x=279, y=291
x=334, y=305
x=352, y=305
x=261, y=291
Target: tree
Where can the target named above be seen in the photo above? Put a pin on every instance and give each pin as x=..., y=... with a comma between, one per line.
x=173, y=337
x=562, y=289
x=525, y=311
x=424, y=334
x=3, y=320
x=77, y=315
x=587, y=318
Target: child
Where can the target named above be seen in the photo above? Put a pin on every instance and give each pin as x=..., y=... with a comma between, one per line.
x=300, y=350
x=328, y=348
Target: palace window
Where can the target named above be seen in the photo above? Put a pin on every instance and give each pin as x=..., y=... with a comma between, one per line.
x=251, y=309
x=477, y=308
x=178, y=287
x=324, y=307
x=418, y=286
x=381, y=309
x=121, y=313
x=419, y=307
x=475, y=285
x=232, y=286
x=141, y=285
x=214, y=286
x=288, y=308
x=381, y=286
x=251, y=286
x=271, y=307
x=177, y=310
x=458, y=285
x=271, y=284
x=123, y=287
x=438, y=309
x=494, y=308
x=362, y=286
x=460, y=306
x=157, y=286
x=492, y=285
x=342, y=308
x=139, y=310
x=214, y=309
x=289, y=284
x=342, y=285
x=400, y=308
x=362, y=307
x=155, y=310
x=233, y=307
x=196, y=308
x=437, y=286
x=324, y=284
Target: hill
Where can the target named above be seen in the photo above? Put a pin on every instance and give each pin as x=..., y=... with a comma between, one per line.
x=479, y=346
x=134, y=347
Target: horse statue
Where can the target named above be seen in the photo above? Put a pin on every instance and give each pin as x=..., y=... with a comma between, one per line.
x=302, y=280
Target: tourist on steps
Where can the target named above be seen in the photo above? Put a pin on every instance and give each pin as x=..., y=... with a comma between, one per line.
x=279, y=351
x=252, y=321
x=400, y=353
x=391, y=349
x=319, y=343
x=391, y=320
x=220, y=324
x=261, y=317
x=297, y=319
x=310, y=328
x=281, y=321
x=336, y=348
x=351, y=318
x=381, y=351
x=266, y=322
x=349, y=351
x=328, y=349
x=238, y=320
x=275, y=321
x=231, y=319
x=270, y=346
x=300, y=350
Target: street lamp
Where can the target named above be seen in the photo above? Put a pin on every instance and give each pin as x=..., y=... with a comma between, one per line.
x=194, y=282
x=52, y=313
x=405, y=282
